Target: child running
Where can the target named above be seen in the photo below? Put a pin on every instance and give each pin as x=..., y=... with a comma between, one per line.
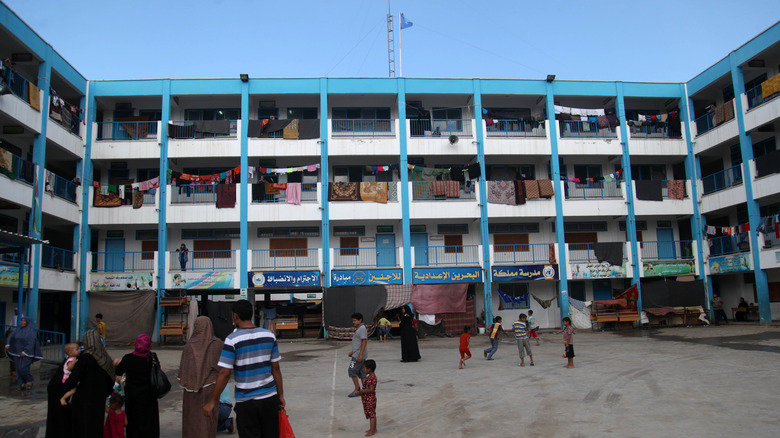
x=465, y=340
x=520, y=328
x=116, y=421
x=495, y=330
x=72, y=350
x=532, y=325
x=368, y=395
x=568, y=335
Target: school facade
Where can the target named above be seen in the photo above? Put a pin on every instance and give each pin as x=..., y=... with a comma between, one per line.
x=529, y=191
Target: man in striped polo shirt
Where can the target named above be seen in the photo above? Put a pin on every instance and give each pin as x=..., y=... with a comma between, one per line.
x=252, y=354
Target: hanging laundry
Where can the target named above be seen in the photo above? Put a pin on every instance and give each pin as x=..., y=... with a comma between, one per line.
x=293, y=193
x=226, y=195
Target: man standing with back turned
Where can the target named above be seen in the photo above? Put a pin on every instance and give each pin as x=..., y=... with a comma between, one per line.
x=251, y=352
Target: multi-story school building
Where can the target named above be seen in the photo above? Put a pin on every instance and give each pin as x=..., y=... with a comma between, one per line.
x=529, y=191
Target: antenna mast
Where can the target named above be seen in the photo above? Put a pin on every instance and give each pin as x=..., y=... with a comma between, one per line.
x=390, y=43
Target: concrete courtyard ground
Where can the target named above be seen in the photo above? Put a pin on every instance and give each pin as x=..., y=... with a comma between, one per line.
x=687, y=381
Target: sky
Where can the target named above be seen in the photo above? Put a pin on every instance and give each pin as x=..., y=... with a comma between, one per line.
x=617, y=40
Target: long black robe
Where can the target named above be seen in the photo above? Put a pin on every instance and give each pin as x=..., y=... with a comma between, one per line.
x=88, y=404
x=143, y=415
x=58, y=424
x=409, y=350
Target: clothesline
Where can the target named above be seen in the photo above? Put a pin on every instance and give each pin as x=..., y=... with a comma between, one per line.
x=728, y=231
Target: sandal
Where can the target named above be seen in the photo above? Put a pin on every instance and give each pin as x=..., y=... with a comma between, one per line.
x=353, y=394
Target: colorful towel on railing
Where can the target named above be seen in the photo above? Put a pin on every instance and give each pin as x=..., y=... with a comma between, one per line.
x=445, y=189
x=374, y=191
x=531, y=189
x=421, y=191
x=519, y=192
x=650, y=190
x=293, y=194
x=226, y=195
x=343, y=191
x=291, y=130
x=34, y=96
x=768, y=164
x=676, y=188
x=501, y=192
x=138, y=200
x=135, y=126
x=271, y=189
x=546, y=189
x=7, y=164
x=770, y=86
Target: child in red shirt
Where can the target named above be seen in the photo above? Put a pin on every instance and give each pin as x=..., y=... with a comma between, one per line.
x=368, y=395
x=465, y=353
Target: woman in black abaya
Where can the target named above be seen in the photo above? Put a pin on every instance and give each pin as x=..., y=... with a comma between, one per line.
x=409, y=350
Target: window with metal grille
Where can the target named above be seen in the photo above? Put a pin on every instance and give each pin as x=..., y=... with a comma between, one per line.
x=207, y=249
x=583, y=226
x=640, y=225
x=148, y=247
x=453, y=229
x=349, y=246
x=146, y=235
x=453, y=244
x=289, y=247
x=511, y=243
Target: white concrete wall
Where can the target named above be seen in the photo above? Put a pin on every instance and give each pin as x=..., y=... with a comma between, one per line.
x=21, y=111
x=66, y=139
x=532, y=208
x=720, y=134
x=721, y=199
x=762, y=114
x=205, y=147
x=125, y=214
x=656, y=147
x=15, y=191
x=278, y=147
x=126, y=149
x=667, y=207
x=58, y=207
x=766, y=185
x=52, y=279
x=364, y=210
x=202, y=213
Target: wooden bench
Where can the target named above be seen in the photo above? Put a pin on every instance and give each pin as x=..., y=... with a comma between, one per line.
x=174, y=329
x=628, y=315
x=286, y=324
x=311, y=325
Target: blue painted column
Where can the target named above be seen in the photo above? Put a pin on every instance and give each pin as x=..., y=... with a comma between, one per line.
x=631, y=219
x=555, y=166
x=39, y=159
x=162, y=204
x=244, y=204
x=754, y=213
x=86, y=232
x=483, y=209
x=692, y=171
x=403, y=165
x=324, y=182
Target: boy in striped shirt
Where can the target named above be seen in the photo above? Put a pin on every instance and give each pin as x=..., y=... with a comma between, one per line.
x=521, y=335
x=253, y=355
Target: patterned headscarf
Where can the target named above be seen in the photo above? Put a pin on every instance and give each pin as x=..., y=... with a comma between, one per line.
x=94, y=346
x=143, y=345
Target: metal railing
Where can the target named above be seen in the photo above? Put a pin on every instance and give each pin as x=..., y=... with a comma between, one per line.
x=363, y=257
x=197, y=135
x=722, y=180
x=284, y=258
x=130, y=261
x=65, y=188
x=667, y=250
x=308, y=194
x=204, y=260
x=423, y=191
x=15, y=82
x=515, y=128
x=754, y=96
x=724, y=245
x=363, y=127
x=129, y=130
x=56, y=258
x=22, y=170
x=522, y=253
x=149, y=198
x=69, y=120
x=452, y=255
x=584, y=252
x=653, y=130
x=194, y=194
x=705, y=123
x=584, y=128
x=440, y=127
x=665, y=189
x=593, y=190
x=52, y=343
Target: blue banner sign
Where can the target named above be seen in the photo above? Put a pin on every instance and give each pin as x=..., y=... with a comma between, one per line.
x=526, y=272
x=366, y=277
x=284, y=279
x=447, y=275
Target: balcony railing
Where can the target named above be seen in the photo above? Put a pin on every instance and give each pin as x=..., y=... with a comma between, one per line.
x=194, y=194
x=60, y=112
x=424, y=191
x=15, y=82
x=724, y=245
x=584, y=128
x=284, y=258
x=130, y=261
x=705, y=123
x=440, y=127
x=654, y=130
x=722, y=180
x=65, y=188
x=219, y=260
x=21, y=170
x=308, y=194
x=521, y=253
x=593, y=190
x=149, y=198
x=515, y=128
x=56, y=258
x=188, y=130
x=364, y=257
x=363, y=128
x=451, y=255
x=584, y=252
x=667, y=250
x=129, y=130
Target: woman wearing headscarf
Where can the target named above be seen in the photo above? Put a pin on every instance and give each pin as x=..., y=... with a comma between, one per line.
x=197, y=376
x=58, y=424
x=23, y=349
x=143, y=416
x=93, y=376
x=409, y=350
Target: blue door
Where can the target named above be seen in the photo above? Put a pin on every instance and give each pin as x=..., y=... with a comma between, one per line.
x=602, y=290
x=385, y=250
x=666, y=248
x=115, y=255
x=420, y=244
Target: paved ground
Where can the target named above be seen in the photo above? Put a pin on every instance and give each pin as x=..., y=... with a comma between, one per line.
x=695, y=381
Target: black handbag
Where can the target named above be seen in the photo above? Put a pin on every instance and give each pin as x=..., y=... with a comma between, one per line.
x=160, y=383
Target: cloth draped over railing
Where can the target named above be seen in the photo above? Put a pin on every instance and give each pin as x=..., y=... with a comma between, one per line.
x=770, y=86
x=296, y=129
x=363, y=191
x=517, y=192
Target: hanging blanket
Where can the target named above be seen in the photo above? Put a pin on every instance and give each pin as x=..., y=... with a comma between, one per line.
x=531, y=189
x=7, y=164
x=649, y=190
x=439, y=298
x=271, y=189
x=343, y=192
x=451, y=189
x=398, y=295
x=308, y=129
x=552, y=253
x=676, y=188
x=768, y=164
x=374, y=191
x=226, y=195
x=610, y=252
x=219, y=127
x=178, y=131
x=293, y=193
x=770, y=86
x=546, y=189
x=138, y=200
x=34, y=96
x=136, y=126
x=291, y=130
x=501, y=192
x=109, y=200
x=519, y=193
x=421, y=190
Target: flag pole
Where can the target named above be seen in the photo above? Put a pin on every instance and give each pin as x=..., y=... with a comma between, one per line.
x=400, y=48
